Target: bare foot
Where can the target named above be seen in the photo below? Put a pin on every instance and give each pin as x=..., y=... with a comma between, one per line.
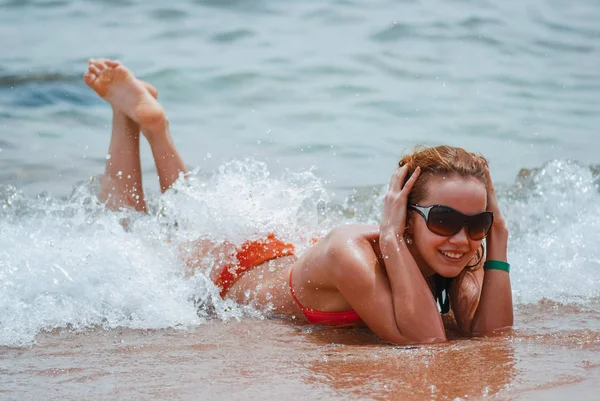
x=150, y=88
x=113, y=82
x=153, y=91
x=132, y=128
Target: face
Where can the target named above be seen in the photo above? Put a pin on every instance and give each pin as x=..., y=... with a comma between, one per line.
x=447, y=256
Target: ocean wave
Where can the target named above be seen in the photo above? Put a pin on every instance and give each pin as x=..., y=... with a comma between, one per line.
x=70, y=263
x=13, y=80
x=44, y=89
x=67, y=262
x=554, y=218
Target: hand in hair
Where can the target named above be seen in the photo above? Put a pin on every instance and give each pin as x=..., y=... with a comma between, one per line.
x=395, y=202
x=415, y=311
x=492, y=203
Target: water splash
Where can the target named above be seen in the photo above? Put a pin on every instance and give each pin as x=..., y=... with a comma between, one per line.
x=554, y=218
x=70, y=263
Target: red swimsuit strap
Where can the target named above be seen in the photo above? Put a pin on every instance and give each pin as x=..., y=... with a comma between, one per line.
x=293, y=293
x=343, y=318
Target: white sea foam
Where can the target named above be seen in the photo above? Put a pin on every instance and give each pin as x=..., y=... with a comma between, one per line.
x=554, y=217
x=70, y=263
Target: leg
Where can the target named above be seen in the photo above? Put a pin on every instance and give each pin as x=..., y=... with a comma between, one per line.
x=169, y=163
x=122, y=181
x=118, y=86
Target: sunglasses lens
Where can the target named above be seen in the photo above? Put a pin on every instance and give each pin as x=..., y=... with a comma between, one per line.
x=480, y=225
x=444, y=221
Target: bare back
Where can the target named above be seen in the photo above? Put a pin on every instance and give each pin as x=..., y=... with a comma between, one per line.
x=268, y=285
x=343, y=271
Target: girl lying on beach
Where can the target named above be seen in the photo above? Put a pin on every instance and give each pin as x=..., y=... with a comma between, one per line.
x=439, y=206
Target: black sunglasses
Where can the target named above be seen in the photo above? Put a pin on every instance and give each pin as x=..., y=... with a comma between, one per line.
x=445, y=221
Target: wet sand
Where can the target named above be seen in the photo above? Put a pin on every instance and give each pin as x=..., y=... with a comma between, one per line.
x=553, y=353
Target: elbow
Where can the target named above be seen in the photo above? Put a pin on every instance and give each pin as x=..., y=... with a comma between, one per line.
x=430, y=339
x=419, y=326
x=410, y=335
x=423, y=334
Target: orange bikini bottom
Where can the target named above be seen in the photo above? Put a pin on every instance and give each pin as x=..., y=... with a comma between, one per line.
x=252, y=254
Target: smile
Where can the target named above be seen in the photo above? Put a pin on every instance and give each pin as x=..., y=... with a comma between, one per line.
x=452, y=255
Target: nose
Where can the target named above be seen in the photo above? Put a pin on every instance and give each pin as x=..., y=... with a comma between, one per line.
x=460, y=237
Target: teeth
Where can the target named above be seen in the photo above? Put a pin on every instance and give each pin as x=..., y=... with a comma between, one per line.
x=453, y=255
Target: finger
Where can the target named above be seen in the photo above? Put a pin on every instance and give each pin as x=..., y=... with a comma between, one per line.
x=398, y=179
x=411, y=181
x=492, y=199
x=488, y=177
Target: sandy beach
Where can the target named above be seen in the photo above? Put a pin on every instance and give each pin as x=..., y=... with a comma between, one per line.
x=271, y=360
x=293, y=116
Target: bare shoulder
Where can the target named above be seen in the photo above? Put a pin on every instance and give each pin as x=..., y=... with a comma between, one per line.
x=345, y=253
x=353, y=232
x=350, y=249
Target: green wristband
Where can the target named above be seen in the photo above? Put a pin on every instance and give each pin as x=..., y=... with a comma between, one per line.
x=496, y=265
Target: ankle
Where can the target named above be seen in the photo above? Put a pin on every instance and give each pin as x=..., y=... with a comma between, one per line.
x=158, y=136
x=157, y=131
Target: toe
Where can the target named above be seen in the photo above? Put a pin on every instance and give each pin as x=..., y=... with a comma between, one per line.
x=89, y=78
x=100, y=64
x=94, y=70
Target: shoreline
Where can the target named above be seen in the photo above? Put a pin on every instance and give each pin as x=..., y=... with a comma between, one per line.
x=250, y=358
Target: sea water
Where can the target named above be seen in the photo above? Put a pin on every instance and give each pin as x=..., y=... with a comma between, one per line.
x=294, y=116
x=71, y=263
